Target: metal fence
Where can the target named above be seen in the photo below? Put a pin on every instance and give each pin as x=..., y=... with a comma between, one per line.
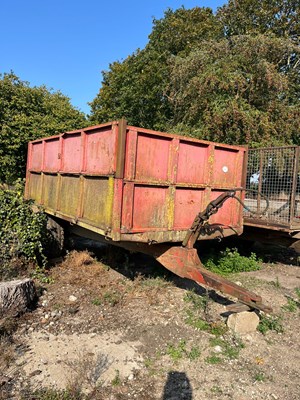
x=273, y=180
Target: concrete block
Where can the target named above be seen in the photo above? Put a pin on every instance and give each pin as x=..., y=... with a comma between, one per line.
x=243, y=322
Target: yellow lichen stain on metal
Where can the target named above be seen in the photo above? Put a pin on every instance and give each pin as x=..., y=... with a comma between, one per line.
x=108, y=209
x=170, y=208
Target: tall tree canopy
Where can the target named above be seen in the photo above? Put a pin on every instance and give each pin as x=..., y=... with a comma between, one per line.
x=235, y=91
x=276, y=17
x=27, y=113
x=233, y=76
x=136, y=87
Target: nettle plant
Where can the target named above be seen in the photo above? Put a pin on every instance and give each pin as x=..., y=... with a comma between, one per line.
x=23, y=232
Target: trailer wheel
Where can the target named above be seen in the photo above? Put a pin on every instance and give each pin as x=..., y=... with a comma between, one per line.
x=296, y=247
x=55, y=247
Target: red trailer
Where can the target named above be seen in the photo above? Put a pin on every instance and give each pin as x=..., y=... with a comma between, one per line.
x=144, y=190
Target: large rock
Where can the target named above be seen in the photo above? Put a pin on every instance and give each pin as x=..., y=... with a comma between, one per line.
x=17, y=295
x=243, y=322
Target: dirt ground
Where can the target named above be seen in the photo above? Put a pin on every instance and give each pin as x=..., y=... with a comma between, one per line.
x=118, y=326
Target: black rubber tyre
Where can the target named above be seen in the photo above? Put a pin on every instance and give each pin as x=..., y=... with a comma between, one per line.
x=55, y=248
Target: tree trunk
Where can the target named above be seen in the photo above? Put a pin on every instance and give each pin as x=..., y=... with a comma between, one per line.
x=17, y=296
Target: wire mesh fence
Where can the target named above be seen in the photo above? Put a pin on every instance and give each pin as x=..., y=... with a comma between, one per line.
x=273, y=186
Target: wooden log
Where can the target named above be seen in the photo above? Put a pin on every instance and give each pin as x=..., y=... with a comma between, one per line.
x=17, y=295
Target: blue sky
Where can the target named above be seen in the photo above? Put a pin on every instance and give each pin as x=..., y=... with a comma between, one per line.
x=66, y=44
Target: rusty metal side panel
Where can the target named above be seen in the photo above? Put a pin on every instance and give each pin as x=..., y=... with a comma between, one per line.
x=227, y=167
x=150, y=208
x=36, y=156
x=188, y=203
x=69, y=195
x=100, y=151
x=34, y=188
x=71, y=153
x=228, y=214
x=193, y=163
x=152, y=158
x=51, y=155
x=169, y=179
x=129, y=181
x=50, y=191
x=97, y=201
x=72, y=176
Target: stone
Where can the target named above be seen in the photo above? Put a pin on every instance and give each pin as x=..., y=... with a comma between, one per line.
x=18, y=295
x=243, y=322
x=72, y=298
x=217, y=349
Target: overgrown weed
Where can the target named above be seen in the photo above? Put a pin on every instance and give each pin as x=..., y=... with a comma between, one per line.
x=230, y=261
x=230, y=346
x=179, y=351
x=291, y=306
x=270, y=323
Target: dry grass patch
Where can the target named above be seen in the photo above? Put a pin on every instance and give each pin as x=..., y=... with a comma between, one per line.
x=79, y=268
x=7, y=354
x=78, y=259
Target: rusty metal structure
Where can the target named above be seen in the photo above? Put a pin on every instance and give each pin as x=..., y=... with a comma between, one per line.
x=273, y=195
x=144, y=190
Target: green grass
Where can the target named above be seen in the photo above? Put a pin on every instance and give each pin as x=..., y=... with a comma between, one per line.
x=259, y=377
x=194, y=353
x=53, y=394
x=197, y=302
x=176, y=352
x=230, y=348
x=213, y=359
x=156, y=282
x=270, y=323
x=116, y=380
x=149, y=362
x=276, y=283
x=291, y=306
x=200, y=324
x=216, y=390
x=112, y=298
x=297, y=291
x=179, y=351
x=96, y=301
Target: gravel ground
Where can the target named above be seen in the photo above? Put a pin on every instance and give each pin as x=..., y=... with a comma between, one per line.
x=136, y=332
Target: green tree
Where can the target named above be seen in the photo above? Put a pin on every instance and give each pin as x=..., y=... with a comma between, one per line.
x=232, y=76
x=136, y=87
x=237, y=91
x=276, y=17
x=27, y=113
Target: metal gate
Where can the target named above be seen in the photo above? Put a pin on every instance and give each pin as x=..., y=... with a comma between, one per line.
x=273, y=184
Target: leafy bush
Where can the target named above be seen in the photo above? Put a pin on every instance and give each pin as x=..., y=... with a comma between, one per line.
x=23, y=232
x=27, y=113
x=230, y=261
